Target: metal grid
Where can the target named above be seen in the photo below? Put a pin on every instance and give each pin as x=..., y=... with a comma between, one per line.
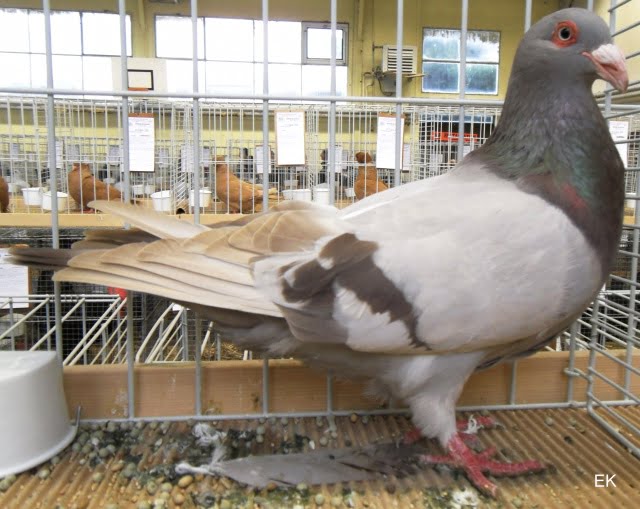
x=610, y=322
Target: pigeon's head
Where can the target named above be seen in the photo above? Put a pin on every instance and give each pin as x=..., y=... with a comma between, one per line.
x=573, y=43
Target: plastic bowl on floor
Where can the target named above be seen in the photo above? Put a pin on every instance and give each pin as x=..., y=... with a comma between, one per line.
x=205, y=198
x=297, y=194
x=321, y=194
x=162, y=201
x=32, y=196
x=35, y=424
x=62, y=200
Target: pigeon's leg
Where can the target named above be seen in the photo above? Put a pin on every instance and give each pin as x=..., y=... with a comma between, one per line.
x=475, y=465
x=467, y=428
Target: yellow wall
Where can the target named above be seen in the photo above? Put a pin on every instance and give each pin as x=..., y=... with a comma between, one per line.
x=378, y=26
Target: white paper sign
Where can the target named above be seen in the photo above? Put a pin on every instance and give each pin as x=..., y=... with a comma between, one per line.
x=619, y=130
x=14, y=149
x=59, y=157
x=259, y=159
x=186, y=157
x=15, y=281
x=386, y=142
x=290, y=138
x=406, y=157
x=114, y=154
x=141, y=143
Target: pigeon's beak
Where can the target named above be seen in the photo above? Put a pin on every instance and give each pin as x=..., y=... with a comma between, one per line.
x=610, y=66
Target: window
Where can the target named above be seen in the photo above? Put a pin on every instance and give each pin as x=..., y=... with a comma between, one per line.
x=82, y=45
x=441, y=61
x=231, y=56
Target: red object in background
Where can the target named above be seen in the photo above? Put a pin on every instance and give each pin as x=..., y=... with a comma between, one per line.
x=452, y=136
x=120, y=292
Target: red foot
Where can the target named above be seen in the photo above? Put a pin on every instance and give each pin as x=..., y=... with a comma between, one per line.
x=476, y=464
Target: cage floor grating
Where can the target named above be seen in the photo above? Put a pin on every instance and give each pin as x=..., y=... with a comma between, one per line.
x=93, y=473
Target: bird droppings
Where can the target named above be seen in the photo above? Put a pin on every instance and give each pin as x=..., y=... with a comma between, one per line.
x=549, y=421
x=124, y=477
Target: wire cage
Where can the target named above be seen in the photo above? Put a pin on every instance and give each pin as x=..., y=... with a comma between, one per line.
x=217, y=155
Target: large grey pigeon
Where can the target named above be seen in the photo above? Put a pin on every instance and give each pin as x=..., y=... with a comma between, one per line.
x=418, y=286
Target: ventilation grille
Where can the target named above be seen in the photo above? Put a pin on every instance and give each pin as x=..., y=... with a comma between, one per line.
x=390, y=59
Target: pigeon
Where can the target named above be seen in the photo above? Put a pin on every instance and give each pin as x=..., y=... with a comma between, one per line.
x=417, y=287
x=236, y=194
x=367, y=181
x=4, y=195
x=84, y=187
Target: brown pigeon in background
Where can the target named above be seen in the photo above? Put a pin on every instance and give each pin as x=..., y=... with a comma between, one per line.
x=235, y=194
x=84, y=187
x=413, y=288
x=4, y=195
x=367, y=181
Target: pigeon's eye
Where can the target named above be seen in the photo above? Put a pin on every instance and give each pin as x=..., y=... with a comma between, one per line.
x=565, y=34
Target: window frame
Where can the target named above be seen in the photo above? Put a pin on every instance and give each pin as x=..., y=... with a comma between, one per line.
x=459, y=61
x=344, y=27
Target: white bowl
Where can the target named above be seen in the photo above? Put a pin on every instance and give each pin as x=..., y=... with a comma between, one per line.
x=297, y=194
x=162, y=201
x=349, y=192
x=62, y=200
x=205, y=198
x=321, y=194
x=137, y=189
x=35, y=423
x=149, y=188
x=32, y=196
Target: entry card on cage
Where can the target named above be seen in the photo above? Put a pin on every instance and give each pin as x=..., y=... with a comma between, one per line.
x=141, y=142
x=386, y=141
x=290, y=138
x=619, y=130
x=15, y=282
x=259, y=159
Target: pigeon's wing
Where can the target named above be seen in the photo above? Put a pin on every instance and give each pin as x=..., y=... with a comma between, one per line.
x=443, y=265
x=195, y=263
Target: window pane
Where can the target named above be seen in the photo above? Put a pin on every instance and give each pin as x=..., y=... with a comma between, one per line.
x=174, y=38
x=36, y=32
x=439, y=44
x=180, y=76
x=97, y=73
x=439, y=77
x=483, y=46
x=283, y=79
x=15, y=70
x=229, y=78
x=285, y=42
x=481, y=78
x=101, y=33
x=65, y=33
x=229, y=39
x=316, y=80
x=67, y=72
x=319, y=43
x=39, y=71
x=14, y=30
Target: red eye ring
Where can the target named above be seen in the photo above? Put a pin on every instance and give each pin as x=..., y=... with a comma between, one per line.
x=565, y=34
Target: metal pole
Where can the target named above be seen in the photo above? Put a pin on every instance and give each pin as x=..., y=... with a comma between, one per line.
x=527, y=15
x=53, y=173
x=124, y=83
x=399, y=123
x=463, y=75
x=266, y=152
x=196, y=117
x=331, y=177
x=266, y=155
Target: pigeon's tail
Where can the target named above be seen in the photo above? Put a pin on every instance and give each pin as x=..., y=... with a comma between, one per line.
x=41, y=258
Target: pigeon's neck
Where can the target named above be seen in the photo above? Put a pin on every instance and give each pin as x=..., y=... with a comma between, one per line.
x=553, y=141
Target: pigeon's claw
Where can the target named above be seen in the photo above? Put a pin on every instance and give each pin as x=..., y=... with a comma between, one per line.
x=475, y=465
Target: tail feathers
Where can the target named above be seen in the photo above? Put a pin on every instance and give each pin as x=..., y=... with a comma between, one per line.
x=42, y=258
x=184, y=279
x=160, y=225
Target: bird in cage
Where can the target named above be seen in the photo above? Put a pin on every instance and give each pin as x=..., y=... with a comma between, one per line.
x=84, y=187
x=367, y=181
x=235, y=194
x=416, y=288
x=4, y=195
